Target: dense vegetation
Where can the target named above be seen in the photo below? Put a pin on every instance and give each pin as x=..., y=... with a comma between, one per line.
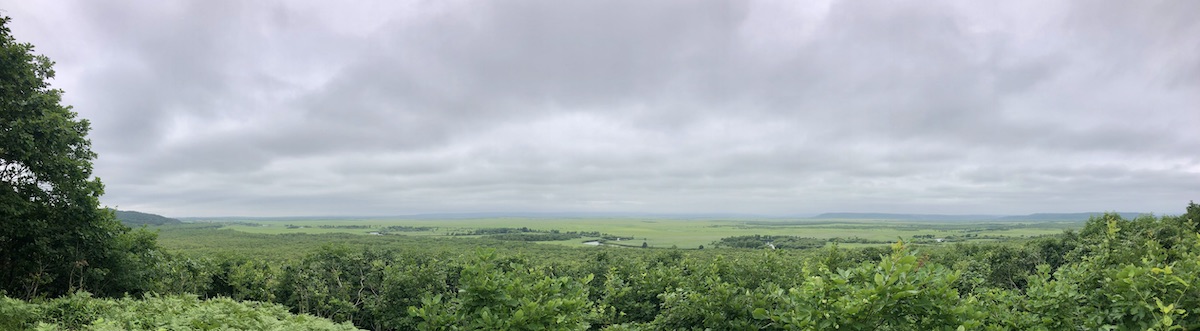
x=1113, y=273
x=81, y=311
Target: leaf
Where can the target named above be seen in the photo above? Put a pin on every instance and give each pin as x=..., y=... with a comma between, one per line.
x=760, y=314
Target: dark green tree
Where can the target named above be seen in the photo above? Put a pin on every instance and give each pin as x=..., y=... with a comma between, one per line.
x=54, y=238
x=1192, y=215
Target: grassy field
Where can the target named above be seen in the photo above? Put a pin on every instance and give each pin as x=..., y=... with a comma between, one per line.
x=683, y=233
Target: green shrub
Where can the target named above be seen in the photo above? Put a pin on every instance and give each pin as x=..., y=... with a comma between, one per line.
x=80, y=311
x=519, y=298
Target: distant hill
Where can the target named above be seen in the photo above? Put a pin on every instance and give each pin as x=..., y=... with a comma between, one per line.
x=944, y=217
x=1062, y=216
x=907, y=217
x=133, y=218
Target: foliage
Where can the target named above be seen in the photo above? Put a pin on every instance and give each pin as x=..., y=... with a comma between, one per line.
x=900, y=292
x=499, y=295
x=1114, y=273
x=54, y=238
x=80, y=311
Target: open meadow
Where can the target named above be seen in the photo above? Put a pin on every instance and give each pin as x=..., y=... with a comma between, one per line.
x=666, y=232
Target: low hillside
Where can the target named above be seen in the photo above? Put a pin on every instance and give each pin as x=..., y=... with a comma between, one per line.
x=133, y=218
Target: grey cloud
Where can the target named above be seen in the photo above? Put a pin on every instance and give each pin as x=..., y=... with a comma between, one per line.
x=206, y=108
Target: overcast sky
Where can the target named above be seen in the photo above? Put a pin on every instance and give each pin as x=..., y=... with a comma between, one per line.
x=272, y=108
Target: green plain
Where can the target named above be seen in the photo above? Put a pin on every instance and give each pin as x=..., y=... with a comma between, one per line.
x=683, y=233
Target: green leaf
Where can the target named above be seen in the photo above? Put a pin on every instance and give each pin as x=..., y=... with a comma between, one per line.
x=760, y=314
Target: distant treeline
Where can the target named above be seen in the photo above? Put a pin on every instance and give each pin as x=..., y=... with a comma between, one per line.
x=354, y=226
x=406, y=228
x=382, y=229
x=780, y=242
x=535, y=236
x=527, y=234
x=945, y=217
x=792, y=242
x=796, y=242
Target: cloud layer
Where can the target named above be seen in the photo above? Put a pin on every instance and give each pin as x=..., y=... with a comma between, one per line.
x=207, y=108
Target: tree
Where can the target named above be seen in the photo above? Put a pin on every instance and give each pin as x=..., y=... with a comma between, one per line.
x=1192, y=215
x=54, y=238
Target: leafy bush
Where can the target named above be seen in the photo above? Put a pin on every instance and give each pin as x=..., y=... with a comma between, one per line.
x=900, y=292
x=492, y=298
x=80, y=311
